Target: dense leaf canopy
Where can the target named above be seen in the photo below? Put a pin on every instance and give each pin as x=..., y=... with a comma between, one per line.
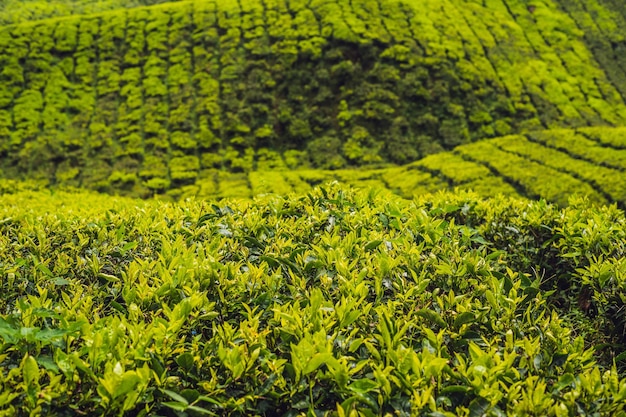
x=326, y=303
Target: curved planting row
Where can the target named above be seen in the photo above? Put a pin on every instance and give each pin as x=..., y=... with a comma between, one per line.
x=604, y=180
x=603, y=147
x=554, y=165
x=149, y=99
x=532, y=178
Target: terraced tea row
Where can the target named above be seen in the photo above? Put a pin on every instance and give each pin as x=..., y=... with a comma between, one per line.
x=406, y=181
x=604, y=180
x=554, y=165
x=332, y=303
x=149, y=99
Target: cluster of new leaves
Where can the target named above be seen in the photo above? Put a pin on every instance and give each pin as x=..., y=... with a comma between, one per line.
x=335, y=303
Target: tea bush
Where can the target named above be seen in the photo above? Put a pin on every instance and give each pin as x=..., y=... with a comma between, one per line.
x=552, y=164
x=331, y=303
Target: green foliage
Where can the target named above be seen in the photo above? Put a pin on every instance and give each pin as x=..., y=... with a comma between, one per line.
x=601, y=178
x=551, y=164
x=325, y=152
x=333, y=303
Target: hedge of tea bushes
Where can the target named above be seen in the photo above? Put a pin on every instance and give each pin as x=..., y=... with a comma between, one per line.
x=554, y=165
x=20, y=11
x=332, y=303
x=149, y=99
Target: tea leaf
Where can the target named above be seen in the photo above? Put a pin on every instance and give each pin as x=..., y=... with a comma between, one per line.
x=126, y=384
x=201, y=410
x=478, y=407
x=8, y=333
x=363, y=386
x=432, y=316
x=185, y=361
x=464, y=318
x=175, y=396
x=48, y=335
x=564, y=381
x=60, y=281
x=176, y=405
x=30, y=371
x=373, y=244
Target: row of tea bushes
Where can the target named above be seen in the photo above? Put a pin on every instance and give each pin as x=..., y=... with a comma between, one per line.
x=553, y=164
x=604, y=23
x=604, y=180
x=588, y=144
x=335, y=303
x=20, y=11
x=534, y=178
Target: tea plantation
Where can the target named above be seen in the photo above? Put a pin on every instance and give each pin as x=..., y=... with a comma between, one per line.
x=341, y=208
x=145, y=100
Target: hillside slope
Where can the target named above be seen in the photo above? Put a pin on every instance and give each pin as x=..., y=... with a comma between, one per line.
x=554, y=165
x=152, y=98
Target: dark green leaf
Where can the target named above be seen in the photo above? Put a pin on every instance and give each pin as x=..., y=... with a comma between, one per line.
x=48, y=335
x=185, y=361
x=191, y=395
x=464, y=318
x=48, y=363
x=478, y=407
x=200, y=410
x=564, y=381
x=119, y=307
x=175, y=396
x=373, y=244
